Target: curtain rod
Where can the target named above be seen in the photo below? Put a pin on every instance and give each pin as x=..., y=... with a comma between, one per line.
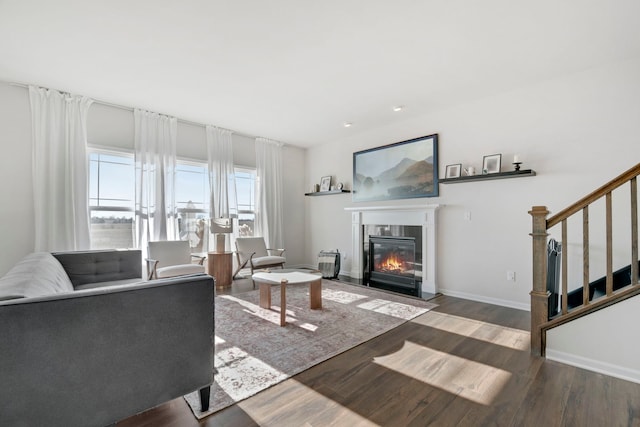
x=123, y=107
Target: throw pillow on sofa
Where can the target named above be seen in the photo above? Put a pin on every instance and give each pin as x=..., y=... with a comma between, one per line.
x=37, y=274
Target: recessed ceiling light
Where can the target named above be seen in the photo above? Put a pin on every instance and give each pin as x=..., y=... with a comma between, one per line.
x=347, y=124
x=398, y=108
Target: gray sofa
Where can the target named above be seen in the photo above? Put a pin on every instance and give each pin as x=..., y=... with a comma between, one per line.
x=85, y=342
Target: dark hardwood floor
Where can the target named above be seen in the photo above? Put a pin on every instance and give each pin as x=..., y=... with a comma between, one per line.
x=463, y=364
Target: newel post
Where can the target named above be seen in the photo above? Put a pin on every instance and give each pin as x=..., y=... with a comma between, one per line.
x=539, y=293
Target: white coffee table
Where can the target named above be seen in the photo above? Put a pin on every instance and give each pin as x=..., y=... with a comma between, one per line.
x=266, y=279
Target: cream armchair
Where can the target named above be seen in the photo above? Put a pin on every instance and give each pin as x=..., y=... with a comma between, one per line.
x=253, y=251
x=172, y=258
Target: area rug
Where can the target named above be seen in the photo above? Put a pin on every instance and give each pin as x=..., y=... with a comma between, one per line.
x=253, y=352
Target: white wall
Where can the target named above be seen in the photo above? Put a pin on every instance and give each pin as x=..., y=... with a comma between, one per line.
x=577, y=132
x=602, y=341
x=112, y=127
x=16, y=207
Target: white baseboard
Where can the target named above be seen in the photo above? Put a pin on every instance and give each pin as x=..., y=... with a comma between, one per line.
x=594, y=365
x=474, y=297
x=488, y=300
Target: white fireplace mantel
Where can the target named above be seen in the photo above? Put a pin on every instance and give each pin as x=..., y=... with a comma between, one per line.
x=421, y=215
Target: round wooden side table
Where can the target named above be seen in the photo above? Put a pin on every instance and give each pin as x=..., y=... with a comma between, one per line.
x=220, y=266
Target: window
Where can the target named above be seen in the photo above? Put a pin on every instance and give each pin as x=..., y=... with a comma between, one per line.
x=246, y=191
x=192, y=201
x=111, y=199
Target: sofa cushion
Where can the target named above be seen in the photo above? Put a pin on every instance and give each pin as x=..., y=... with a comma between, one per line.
x=37, y=274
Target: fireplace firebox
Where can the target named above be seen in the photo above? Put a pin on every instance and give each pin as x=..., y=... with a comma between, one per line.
x=392, y=264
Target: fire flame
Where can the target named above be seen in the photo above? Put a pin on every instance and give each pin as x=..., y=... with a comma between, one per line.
x=392, y=263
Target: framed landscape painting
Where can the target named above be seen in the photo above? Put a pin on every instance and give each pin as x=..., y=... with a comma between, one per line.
x=403, y=170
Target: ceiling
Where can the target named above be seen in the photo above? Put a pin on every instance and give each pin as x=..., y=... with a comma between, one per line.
x=296, y=70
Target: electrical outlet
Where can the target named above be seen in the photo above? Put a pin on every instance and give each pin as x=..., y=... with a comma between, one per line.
x=344, y=255
x=467, y=215
x=511, y=276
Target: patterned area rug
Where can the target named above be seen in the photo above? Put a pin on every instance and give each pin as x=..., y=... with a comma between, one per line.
x=252, y=352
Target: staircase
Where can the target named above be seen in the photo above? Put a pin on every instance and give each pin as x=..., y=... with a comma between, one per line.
x=614, y=287
x=598, y=288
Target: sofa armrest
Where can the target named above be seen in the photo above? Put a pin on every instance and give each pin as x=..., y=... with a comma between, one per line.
x=96, y=356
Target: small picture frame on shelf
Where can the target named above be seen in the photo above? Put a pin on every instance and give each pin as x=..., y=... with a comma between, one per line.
x=325, y=183
x=491, y=164
x=453, y=171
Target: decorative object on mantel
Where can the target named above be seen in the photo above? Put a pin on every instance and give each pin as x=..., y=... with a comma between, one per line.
x=470, y=171
x=453, y=171
x=516, y=162
x=491, y=164
x=325, y=183
x=402, y=170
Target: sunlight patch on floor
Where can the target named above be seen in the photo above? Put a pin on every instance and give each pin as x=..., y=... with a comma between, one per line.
x=516, y=339
x=390, y=308
x=471, y=380
x=308, y=326
x=341, y=297
x=315, y=408
x=244, y=374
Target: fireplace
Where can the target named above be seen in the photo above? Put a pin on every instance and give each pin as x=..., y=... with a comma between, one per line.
x=392, y=264
x=417, y=221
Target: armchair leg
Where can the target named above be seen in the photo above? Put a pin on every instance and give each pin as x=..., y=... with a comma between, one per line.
x=204, y=398
x=240, y=267
x=252, y=282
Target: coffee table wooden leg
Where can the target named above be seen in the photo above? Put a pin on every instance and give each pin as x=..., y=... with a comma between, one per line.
x=265, y=295
x=283, y=302
x=315, y=295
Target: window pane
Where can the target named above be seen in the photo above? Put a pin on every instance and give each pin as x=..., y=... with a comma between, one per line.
x=116, y=183
x=192, y=186
x=246, y=224
x=111, y=188
x=111, y=180
x=111, y=230
x=245, y=189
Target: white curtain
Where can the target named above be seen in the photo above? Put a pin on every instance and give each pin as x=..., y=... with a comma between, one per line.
x=155, y=163
x=60, y=181
x=269, y=212
x=222, y=179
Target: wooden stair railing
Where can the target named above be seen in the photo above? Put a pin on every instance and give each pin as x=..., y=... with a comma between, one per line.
x=540, y=322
